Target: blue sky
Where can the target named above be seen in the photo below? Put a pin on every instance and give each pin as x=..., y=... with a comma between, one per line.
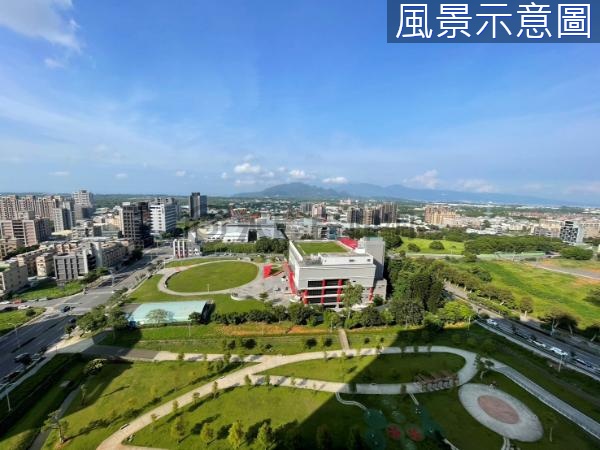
x=230, y=96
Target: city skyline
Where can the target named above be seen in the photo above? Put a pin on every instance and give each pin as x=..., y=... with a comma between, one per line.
x=199, y=97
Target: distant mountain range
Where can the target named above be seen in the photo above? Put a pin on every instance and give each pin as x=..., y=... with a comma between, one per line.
x=303, y=191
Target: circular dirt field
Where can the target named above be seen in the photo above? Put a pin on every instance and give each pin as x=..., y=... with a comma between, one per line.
x=501, y=412
x=213, y=276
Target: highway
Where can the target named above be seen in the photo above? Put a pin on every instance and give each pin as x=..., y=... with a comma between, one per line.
x=49, y=327
x=533, y=338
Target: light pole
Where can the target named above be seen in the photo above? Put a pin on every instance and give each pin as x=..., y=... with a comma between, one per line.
x=16, y=334
x=8, y=398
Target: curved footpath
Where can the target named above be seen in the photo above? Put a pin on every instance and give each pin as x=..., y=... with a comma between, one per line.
x=265, y=362
x=170, y=271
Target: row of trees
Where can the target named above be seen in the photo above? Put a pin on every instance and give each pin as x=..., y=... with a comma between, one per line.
x=510, y=244
x=262, y=245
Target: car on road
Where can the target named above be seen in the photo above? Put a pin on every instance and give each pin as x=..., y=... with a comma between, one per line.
x=12, y=376
x=23, y=358
x=5, y=302
x=24, y=307
x=65, y=308
x=539, y=344
x=491, y=322
x=558, y=351
x=584, y=363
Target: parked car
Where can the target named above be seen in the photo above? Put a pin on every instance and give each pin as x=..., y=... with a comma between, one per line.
x=491, y=322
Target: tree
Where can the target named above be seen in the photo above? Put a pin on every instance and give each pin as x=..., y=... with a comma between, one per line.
x=265, y=439
x=83, y=389
x=247, y=381
x=178, y=429
x=558, y=317
x=526, y=305
x=436, y=245
x=412, y=247
x=196, y=397
x=483, y=365
x=196, y=317
x=593, y=330
x=94, y=366
x=577, y=253
x=175, y=406
x=215, y=389
x=324, y=438
x=117, y=320
x=354, y=441
x=237, y=435
x=267, y=380
x=352, y=294
x=53, y=422
x=593, y=297
x=157, y=316
x=207, y=434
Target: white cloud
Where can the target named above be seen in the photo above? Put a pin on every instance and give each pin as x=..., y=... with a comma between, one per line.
x=224, y=176
x=52, y=63
x=476, y=185
x=45, y=19
x=335, y=180
x=592, y=187
x=60, y=173
x=249, y=157
x=268, y=174
x=281, y=169
x=180, y=173
x=247, y=168
x=429, y=179
x=240, y=182
x=298, y=174
x=121, y=176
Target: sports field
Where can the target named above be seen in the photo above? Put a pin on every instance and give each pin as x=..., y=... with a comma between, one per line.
x=214, y=276
x=312, y=248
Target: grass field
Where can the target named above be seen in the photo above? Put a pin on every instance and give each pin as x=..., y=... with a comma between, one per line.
x=120, y=392
x=271, y=339
x=148, y=292
x=311, y=248
x=192, y=261
x=450, y=247
x=279, y=406
x=18, y=318
x=49, y=289
x=372, y=369
x=561, y=263
x=547, y=289
x=215, y=276
x=20, y=436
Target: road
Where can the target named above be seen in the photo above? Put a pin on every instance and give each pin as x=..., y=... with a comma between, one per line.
x=49, y=327
x=529, y=336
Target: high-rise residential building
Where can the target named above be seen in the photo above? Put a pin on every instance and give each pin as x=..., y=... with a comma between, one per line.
x=319, y=211
x=198, y=206
x=63, y=215
x=571, y=232
x=9, y=207
x=306, y=208
x=71, y=266
x=163, y=218
x=28, y=232
x=439, y=214
x=83, y=198
x=388, y=212
x=371, y=216
x=354, y=215
x=135, y=223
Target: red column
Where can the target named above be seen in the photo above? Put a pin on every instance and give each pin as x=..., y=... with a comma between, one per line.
x=304, y=299
x=339, y=292
x=323, y=292
x=370, y=295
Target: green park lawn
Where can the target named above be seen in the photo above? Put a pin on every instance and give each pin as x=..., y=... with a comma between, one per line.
x=248, y=338
x=547, y=289
x=253, y=406
x=121, y=392
x=148, y=292
x=312, y=248
x=372, y=369
x=193, y=261
x=21, y=435
x=592, y=265
x=215, y=276
x=450, y=247
x=48, y=289
x=10, y=318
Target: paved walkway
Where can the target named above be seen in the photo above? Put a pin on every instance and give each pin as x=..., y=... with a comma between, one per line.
x=114, y=442
x=40, y=439
x=343, y=339
x=569, y=271
x=266, y=362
